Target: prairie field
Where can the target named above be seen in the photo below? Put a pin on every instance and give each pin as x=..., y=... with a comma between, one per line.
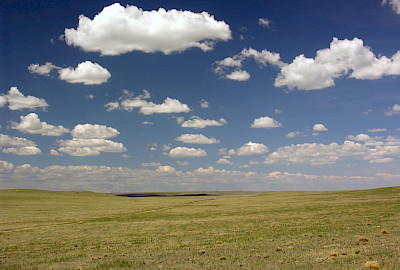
x=223, y=230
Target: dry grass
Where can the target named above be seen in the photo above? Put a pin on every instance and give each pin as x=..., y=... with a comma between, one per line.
x=279, y=230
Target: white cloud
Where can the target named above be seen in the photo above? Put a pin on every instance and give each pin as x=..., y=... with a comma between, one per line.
x=314, y=153
x=277, y=111
x=224, y=161
x=341, y=58
x=262, y=58
x=90, y=131
x=394, y=3
x=251, y=148
x=17, y=101
x=196, y=139
x=31, y=124
x=166, y=169
x=18, y=146
x=204, y=104
x=184, y=152
x=89, y=147
x=45, y=69
x=117, y=30
x=374, y=150
x=377, y=130
x=265, y=122
x=394, y=110
x=129, y=103
x=3, y=101
x=54, y=153
x=197, y=122
x=292, y=134
x=319, y=127
x=238, y=75
x=147, y=123
x=264, y=22
x=86, y=72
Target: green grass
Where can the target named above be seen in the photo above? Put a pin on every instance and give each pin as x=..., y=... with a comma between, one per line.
x=276, y=230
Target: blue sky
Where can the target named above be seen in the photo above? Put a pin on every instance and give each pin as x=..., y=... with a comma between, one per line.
x=199, y=95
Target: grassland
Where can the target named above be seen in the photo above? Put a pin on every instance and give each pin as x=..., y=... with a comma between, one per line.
x=276, y=230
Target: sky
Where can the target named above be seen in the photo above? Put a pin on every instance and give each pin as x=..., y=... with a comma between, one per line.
x=199, y=95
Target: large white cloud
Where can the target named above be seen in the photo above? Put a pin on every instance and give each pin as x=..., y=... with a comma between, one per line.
x=129, y=103
x=342, y=58
x=251, y=148
x=196, y=139
x=117, y=30
x=197, y=122
x=394, y=3
x=361, y=146
x=394, y=110
x=184, y=152
x=265, y=122
x=17, y=101
x=32, y=124
x=18, y=146
x=90, y=131
x=89, y=147
x=86, y=72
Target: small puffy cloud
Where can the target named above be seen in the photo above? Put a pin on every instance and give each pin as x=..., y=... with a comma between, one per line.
x=86, y=72
x=377, y=130
x=184, y=152
x=54, y=152
x=292, y=134
x=117, y=30
x=224, y=67
x=89, y=147
x=197, y=122
x=224, y=161
x=147, y=123
x=394, y=3
x=196, y=139
x=264, y=22
x=17, y=101
x=150, y=164
x=129, y=103
x=341, y=58
x=45, y=69
x=277, y=111
x=394, y=110
x=204, y=104
x=251, y=148
x=90, y=131
x=238, y=75
x=265, y=122
x=166, y=169
x=319, y=127
x=31, y=124
x=18, y=146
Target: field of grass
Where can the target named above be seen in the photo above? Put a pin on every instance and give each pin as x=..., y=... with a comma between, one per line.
x=276, y=230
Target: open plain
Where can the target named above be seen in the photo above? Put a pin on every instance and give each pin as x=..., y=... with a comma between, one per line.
x=217, y=230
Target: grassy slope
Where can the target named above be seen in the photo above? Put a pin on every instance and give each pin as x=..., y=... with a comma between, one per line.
x=278, y=230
